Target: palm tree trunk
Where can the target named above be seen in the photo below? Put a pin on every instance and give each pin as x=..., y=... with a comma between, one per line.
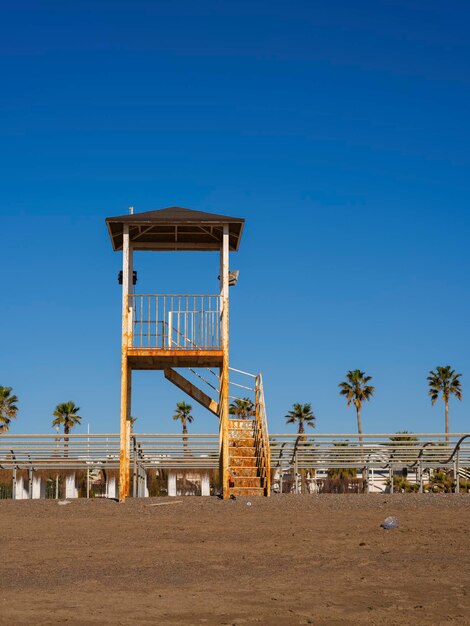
x=361, y=441
x=359, y=427
x=447, y=420
x=303, y=481
x=185, y=439
x=66, y=440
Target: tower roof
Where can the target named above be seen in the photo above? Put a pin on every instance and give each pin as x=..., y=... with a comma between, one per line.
x=175, y=228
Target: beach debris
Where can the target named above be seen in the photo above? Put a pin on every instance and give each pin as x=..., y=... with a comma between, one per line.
x=248, y=504
x=165, y=503
x=63, y=502
x=390, y=522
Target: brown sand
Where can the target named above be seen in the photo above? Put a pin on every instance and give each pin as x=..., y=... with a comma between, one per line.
x=283, y=560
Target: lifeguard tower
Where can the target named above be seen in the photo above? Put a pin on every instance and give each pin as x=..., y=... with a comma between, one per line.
x=163, y=332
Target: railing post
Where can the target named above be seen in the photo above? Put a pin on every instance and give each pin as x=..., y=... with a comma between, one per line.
x=391, y=479
x=170, y=327
x=134, y=473
x=420, y=477
x=456, y=476
x=13, y=487
x=296, y=472
x=30, y=483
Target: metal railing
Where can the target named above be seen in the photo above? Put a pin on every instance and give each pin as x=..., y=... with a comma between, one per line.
x=261, y=435
x=175, y=451
x=319, y=451
x=58, y=451
x=35, y=455
x=324, y=455
x=175, y=322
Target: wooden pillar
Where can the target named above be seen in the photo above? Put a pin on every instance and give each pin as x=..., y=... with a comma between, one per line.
x=126, y=373
x=224, y=370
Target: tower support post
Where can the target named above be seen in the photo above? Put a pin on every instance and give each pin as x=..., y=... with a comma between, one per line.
x=126, y=372
x=224, y=370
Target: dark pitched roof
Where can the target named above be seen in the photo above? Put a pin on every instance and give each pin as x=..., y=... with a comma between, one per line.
x=175, y=228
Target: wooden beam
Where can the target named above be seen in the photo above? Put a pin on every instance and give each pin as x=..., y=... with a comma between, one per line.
x=180, y=245
x=224, y=370
x=185, y=385
x=124, y=458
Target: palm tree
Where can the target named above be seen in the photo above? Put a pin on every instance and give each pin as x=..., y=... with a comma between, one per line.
x=357, y=391
x=242, y=408
x=8, y=408
x=444, y=381
x=302, y=415
x=183, y=413
x=66, y=414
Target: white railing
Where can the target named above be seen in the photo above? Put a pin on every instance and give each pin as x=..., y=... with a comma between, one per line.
x=261, y=433
x=290, y=454
x=323, y=451
x=174, y=322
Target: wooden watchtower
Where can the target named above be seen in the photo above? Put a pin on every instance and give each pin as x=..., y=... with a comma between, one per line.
x=162, y=332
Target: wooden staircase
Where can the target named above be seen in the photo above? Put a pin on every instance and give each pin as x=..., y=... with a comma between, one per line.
x=244, y=452
x=247, y=473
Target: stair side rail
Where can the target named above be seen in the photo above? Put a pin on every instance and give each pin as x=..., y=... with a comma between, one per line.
x=261, y=435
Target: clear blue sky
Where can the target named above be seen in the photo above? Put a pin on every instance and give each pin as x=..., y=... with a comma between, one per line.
x=339, y=130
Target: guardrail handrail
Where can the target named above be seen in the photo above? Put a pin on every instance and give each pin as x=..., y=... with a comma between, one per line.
x=261, y=433
x=177, y=321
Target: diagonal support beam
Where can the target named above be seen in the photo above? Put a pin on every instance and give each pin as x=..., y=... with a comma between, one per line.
x=185, y=385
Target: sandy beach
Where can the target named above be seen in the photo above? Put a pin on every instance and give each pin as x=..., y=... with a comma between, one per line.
x=283, y=560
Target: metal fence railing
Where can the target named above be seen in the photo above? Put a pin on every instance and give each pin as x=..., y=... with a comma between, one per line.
x=26, y=458
x=328, y=456
x=176, y=322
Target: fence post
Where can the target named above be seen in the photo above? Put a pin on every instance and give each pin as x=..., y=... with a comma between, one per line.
x=30, y=483
x=134, y=473
x=391, y=479
x=456, y=475
x=13, y=489
x=420, y=477
x=296, y=473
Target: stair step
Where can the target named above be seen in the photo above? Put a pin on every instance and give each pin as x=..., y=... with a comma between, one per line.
x=244, y=472
x=241, y=433
x=240, y=481
x=243, y=461
x=241, y=424
x=246, y=491
x=241, y=451
x=242, y=442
